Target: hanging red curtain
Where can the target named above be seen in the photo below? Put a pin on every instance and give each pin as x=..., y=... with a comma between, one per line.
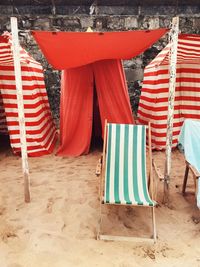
x=76, y=110
x=112, y=92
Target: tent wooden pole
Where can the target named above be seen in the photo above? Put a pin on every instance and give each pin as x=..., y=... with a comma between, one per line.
x=172, y=85
x=20, y=104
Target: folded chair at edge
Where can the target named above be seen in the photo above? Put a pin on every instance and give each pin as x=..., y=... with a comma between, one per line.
x=123, y=172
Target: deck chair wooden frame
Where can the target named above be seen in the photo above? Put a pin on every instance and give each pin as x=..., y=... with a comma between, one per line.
x=101, y=171
x=195, y=175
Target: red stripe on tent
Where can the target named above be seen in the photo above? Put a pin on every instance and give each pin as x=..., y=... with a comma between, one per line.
x=40, y=152
x=29, y=140
x=23, y=68
x=159, y=72
x=153, y=108
x=186, y=36
x=32, y=123
x=28, y=115
x=189, y=107
x=158, y=134
x=160, y=117
x=157, y=91
x=24, y=78
x=157, y=81
x=178, y=80
x=188, y=89
x=152, y=117
x=154, y=101
x=34, y=140
x=162, y=144
x=188, y=70
x=191, y=116
x=26, y=97
x=191, y=45
x=27, y=106
x=38, y=131
x=159, y=126
x=25, y=87
x=6, y=46
x=186, y=98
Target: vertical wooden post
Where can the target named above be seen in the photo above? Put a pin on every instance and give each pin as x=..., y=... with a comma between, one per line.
x=20, y=104
x=172, y=85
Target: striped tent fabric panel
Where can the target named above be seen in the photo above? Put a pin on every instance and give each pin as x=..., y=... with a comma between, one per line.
x=153, y=104
x=3, y=124
x=41, y=133
x=125, y=175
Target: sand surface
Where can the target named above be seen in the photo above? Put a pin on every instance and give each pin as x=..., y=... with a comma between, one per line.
x=58, y=228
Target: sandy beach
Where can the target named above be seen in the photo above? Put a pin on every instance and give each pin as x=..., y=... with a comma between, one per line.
x=58, y=228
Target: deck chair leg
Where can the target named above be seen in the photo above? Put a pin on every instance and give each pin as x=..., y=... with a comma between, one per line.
x=99, y=223
x=185, y=179
x=154, y=224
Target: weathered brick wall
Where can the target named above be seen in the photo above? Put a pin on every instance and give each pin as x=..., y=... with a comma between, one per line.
x=105, y=19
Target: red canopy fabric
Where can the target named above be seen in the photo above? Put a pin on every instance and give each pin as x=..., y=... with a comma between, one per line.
x=76, y=111
x=65, y=50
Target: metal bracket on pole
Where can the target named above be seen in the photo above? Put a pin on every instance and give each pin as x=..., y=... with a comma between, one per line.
x=172, y=85
x=20, y=104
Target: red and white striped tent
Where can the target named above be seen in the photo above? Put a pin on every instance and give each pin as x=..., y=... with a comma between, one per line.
x=153, y=104
x=40, y=129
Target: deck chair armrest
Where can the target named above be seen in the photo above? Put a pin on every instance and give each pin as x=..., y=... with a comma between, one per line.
x=193, y=170
x=158, y=171
x=159, y=176
x=99, y=167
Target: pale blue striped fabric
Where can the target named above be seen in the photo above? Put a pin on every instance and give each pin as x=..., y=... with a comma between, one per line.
x=189, y=138
x=125, y=176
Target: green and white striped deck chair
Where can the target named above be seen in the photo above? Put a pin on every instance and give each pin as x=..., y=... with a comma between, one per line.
x=124, y=170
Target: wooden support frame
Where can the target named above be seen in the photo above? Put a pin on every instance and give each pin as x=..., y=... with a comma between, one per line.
x=101, y=236
x=20, y=105
x=172, y=85
x=195, y=175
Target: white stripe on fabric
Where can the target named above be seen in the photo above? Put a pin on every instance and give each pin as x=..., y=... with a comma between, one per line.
x=112, y=163
x=31, y=119
x=47, y=120
x=130, y=165
x=139, y=163
x=24, y=82
x=166, y=76
x=163, y=113
x=34, y=140
x=32, y=135
x=24, y=73
x=25, y=91
x=33, y=101
x=27, y=110
x=121, y=164
x=139, y=166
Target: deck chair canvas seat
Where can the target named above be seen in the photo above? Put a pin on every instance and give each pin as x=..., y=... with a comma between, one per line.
x=124, y=166
x=189, y=141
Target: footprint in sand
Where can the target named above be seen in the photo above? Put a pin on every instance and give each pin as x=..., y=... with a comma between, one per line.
x=94, y=204
x=70, y=173
x=38, y=183
x=14, y=265
x=6, y=232
x=2, y=210
x=50, y=203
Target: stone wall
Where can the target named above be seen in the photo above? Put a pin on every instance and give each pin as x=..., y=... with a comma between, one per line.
x=77, y=18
